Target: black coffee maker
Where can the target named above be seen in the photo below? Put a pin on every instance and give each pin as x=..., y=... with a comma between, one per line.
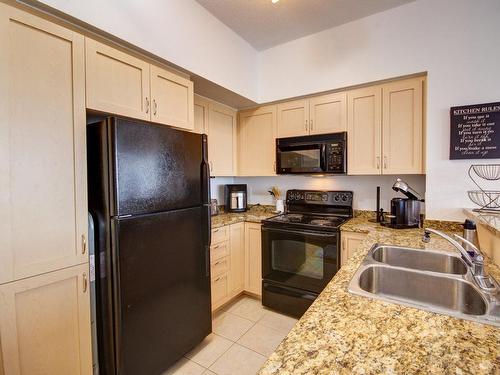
x=405, y=212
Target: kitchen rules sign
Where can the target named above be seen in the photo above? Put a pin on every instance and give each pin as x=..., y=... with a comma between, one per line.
x=475, y=131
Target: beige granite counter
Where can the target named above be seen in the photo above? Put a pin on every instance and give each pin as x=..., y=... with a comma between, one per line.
x=346, y=334
x=255, y=214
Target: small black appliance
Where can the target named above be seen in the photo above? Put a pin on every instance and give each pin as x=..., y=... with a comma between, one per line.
x=235, y=196
x=405, y=212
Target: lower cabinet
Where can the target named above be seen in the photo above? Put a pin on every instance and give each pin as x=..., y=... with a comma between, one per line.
x=237, y=251
x=350, y=243
x=45, y=324
x=253, y=259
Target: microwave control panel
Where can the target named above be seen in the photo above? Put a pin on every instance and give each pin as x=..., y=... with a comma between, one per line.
x=335, y=157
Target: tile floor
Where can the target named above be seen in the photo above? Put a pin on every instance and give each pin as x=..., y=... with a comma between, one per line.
x=244, y=335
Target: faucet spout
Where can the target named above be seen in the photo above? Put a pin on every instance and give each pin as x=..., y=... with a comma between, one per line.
x=465, y=255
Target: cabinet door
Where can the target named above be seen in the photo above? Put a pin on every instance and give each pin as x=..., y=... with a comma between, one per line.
x=173, y=98
x=350, y=243
x=257, y=142
x=328, y=113
x=219, y=291
x=45, y=324
x=253, y=259
x=43, y=187
x=364, y=130
x=293, y=118
x=403, y=127
x=116, y=82
x=221, y=140
x=237, y=270
x=200, y=114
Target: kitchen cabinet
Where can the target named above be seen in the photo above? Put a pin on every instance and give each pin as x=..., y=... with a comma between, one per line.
x=125, y=85
x=45, y=324
x=219, y=123
x=221, y=134
x=117, y=82
x=253, y=259
x=200, y=114
x=328, y=113
x=293, y=118
x=43, y=189
x=317, y=115
x=219, y=291
x=237, y=267
x=385, y=125
x=350, y=242
x=364, y=139
x=257, y=142
x=402, y=129
x=171, y=99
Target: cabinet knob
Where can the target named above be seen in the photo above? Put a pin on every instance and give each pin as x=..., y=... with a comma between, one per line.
x=147, y=105
x=155, y=107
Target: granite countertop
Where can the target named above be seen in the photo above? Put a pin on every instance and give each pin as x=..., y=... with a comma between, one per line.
x=342, y=333
x=489, y=220
x=255, y=214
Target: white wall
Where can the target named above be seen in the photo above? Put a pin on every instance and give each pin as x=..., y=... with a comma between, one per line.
x=180, y=31
x=455, y=41
x=364, y=187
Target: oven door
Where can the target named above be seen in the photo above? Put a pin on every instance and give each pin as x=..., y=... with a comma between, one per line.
x=309, y=158
x=300, y=259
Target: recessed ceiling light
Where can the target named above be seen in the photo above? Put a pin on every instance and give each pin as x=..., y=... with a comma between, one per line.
x=274, y=1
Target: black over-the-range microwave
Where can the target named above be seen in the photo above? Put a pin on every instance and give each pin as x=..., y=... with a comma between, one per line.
x=314, y=154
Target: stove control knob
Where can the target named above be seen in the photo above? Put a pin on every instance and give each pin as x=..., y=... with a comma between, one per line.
x=337, y=198
x=324, y=198
x=344, y=198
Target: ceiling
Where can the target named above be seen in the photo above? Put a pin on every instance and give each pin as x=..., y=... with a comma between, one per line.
x=264, y=24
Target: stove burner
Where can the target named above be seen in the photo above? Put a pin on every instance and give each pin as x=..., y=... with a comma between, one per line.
x=321, y=222
x=294, y=218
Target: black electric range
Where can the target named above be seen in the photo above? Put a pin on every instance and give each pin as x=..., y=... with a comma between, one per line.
x=301, y=248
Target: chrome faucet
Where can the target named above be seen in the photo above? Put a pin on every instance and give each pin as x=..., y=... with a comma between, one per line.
x=475, y=262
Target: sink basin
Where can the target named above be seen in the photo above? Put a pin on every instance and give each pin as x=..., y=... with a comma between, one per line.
x=425, y=279
x=420, y=288
x=425, y=260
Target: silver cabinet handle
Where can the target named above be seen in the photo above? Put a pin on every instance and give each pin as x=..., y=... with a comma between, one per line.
x=378, y=162
x=155, y=107
x=311, y=125
x=215, y=230
x=218, y=262
x=305, y=126
x=274, y=166
x=84, y=244
x=385, y=162
x=147, y=105
x=216, y=247
x=211, y=166
x=85, y=283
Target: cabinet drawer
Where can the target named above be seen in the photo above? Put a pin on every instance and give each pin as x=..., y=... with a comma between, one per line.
x=220, y=235
x=219, y=290
x=219, y=266
x=218, y=251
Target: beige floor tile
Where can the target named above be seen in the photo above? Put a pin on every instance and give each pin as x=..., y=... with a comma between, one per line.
x=238, y=360
x=231, y=326
x=248, y=308
x=278, y=321
x=209, y=350
x=262, y=339
x=185, y=367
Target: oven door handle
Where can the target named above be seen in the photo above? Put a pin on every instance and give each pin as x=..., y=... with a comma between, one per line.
x=307, y=233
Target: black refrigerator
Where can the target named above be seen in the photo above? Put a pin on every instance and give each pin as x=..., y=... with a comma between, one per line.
x=149, y=196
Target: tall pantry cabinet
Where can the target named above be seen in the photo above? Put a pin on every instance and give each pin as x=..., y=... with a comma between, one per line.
x=44, y=297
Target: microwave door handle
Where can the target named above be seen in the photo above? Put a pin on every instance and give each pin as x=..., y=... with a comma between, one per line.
x=323, y=161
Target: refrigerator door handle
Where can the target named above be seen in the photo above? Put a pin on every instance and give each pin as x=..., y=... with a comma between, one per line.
x=205, y=178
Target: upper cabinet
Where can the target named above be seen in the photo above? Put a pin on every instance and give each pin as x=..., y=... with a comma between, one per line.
x=172, y=99
x=257, y=142
x=328, y=113
x=385, y=128
x=219, y=123
x=116, y=82
x=293, y=118
x=364, y=136
x=43, y=189
x=402, y=119
x=318, y=115
x=122, y=84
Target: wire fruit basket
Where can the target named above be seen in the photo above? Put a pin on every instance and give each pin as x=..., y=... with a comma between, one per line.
x=487, y=200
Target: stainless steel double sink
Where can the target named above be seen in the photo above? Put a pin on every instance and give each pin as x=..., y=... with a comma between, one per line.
x=426, y=279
